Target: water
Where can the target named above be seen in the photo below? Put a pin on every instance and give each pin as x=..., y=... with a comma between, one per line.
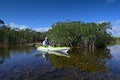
x=26, y=63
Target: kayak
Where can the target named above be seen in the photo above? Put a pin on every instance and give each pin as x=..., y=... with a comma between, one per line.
x=50, y=48
x=61, y=51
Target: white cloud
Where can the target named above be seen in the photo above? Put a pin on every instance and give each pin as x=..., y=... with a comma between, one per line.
x=110, y=1
x=102, y=21
x=12, y=25
x=42, y=29
x=116, y=28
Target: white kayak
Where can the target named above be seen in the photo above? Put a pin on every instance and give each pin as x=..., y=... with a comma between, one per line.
x=62, y=51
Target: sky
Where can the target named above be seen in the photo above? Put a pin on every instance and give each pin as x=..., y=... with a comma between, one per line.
x=40, y=15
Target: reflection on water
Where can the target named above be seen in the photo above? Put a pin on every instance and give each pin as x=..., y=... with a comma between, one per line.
x=10, y=52
x=84, y=59
x=26, y=63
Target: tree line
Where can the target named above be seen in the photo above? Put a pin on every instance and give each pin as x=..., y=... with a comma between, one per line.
x=16, y=36
x=79, y=33
x=68, y=33
x=117, y=40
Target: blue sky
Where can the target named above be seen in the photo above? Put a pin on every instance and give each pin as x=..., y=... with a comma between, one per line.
x=41, y=14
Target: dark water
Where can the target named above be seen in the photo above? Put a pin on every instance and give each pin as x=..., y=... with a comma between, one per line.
x=26, y=63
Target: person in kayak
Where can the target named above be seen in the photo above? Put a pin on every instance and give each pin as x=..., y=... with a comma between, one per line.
x=46, y=42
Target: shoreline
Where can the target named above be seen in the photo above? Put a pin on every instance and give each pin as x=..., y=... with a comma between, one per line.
x=26, y=44
x=34, y=44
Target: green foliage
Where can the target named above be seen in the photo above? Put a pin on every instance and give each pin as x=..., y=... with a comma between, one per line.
x=70, y=33
x=1, y=21
x=15, y=36
x=117, y=40
x=78, y=33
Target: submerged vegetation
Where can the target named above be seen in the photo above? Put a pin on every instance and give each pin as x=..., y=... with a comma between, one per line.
x=84, y=59
x=70, y=33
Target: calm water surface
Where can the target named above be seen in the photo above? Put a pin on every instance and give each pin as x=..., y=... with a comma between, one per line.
x=26, y=63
